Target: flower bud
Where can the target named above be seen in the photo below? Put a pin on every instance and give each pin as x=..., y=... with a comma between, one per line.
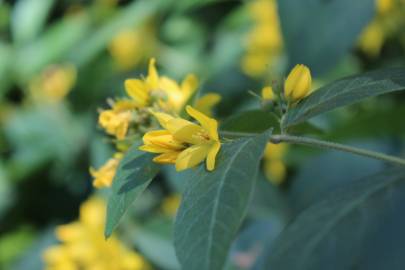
x=298, y=83
x=267, y=93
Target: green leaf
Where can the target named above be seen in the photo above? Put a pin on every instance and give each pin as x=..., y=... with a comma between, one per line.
x=254, y=121
x=134, y=174
x=336, y=169
x=28, y=18
x=358, y=227
x=214, y=204
x=130, y=16
x=319, y=33
x=25, y=130
x=52, y=46
x=156, y=244
x=345, y=92
x=186, y=5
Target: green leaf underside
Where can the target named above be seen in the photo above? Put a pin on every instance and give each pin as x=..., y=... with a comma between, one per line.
x=134, y=174
x=214, y=204
x=254, y=121
x=358, y=227
x=345, y=92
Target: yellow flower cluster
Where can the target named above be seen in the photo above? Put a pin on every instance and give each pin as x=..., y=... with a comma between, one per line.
x=274, y=167
x=131, y=117
x=264, y=42
x=84, y=247
x=54, y=83
x=182, y=142
x=389, y=20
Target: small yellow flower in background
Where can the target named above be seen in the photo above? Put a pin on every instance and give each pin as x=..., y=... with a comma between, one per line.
x=298, y=83
x=116, y=120
x=372, y=39
x=267, y=93
x=384, y=6
x=170, y=204
x=170, y=96
x=388, y=22
x=125, y=49
x=264, y=42
x=83, y=245
x=207, y=102
x=132, y=46
x=54, y=83
x=182, y=142
x=274, y=167
x=104, y=176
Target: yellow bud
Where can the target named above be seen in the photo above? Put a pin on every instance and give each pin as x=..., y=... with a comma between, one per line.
x=298, y=83
x=267, y=93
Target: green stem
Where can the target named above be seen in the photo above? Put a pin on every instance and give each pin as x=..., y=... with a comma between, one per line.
x=324, y=144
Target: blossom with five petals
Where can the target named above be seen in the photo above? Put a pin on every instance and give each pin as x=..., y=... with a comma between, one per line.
x=184, y=143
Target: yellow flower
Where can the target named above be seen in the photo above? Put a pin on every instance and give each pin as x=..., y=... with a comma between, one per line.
x=132, y=46
x=170, y=204
x=184, y=143
x=126, y=48
x=267, y=93
x=83, y=245
x=116, y=120
x=170, y=96
x=384, y=6
x=104, y=176
x=206, y=103
x=298, y=83
x=54, y=83
x=372, y=39
x=264, y=42
x=274, y=167
x=275, y=171
x=275, y=151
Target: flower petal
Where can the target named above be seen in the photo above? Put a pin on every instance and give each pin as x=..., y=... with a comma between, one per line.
x=153, y=76
x=185, y=131
x=162, y=118
x=206, y=103
x=175, y=97
x=192, y=156
x=162, y=138
x=167, y=158
x=189, y=85
x=212, y=154
x=153, y=148
x=138, y=90
x=209, y=124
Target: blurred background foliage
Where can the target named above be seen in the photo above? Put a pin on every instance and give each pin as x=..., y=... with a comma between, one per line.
x=61, y=60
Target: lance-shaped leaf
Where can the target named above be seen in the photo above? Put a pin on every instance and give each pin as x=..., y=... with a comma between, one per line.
x=358, y=227
x=214, y=204
x=135, y=172
x=345, y=92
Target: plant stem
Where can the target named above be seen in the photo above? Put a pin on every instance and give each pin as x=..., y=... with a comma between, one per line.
x=336, y=146
x=321, y=144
